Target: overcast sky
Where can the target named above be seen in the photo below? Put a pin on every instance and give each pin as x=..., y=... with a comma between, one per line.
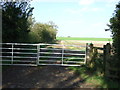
x=76, y=18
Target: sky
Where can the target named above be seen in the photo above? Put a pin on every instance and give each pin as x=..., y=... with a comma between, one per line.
x=76, y=18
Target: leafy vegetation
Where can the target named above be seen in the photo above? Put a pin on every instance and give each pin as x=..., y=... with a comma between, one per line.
x=43, y=32
x=87, y=39
x=14, y=21
x=114, y=27
x=19, y=26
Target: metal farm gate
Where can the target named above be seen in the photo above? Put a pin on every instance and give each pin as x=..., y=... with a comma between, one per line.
x=42, y=54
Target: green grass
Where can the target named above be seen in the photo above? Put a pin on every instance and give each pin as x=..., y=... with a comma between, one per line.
x=94, y=79
x=84, y=39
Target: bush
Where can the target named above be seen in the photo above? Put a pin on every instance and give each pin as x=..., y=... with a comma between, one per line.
x=43, y=33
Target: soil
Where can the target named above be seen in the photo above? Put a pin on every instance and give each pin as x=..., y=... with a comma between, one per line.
x=40, y=77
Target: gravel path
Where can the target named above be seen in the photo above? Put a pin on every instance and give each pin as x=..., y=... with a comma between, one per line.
x=40, y=77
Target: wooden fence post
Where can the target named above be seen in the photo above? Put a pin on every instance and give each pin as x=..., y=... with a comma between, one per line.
x=107, y=53
x=104, y=57
x=89, y=53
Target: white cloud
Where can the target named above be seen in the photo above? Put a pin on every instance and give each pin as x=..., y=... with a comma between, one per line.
x=108, y=1
x=81, y=2
x=86, y=2
x=89, y=2
x=54, y=0
x=84, y=9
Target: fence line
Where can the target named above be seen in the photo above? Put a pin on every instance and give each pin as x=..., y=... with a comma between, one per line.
x=107, y=58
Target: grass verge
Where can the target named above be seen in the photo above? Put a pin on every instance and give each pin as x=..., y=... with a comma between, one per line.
x=92, y=78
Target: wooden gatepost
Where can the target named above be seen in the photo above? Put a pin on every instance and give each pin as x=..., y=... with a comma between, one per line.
x=106, y=58
x=91, y=54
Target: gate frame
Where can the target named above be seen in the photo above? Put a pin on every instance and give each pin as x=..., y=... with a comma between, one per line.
x=38, y=46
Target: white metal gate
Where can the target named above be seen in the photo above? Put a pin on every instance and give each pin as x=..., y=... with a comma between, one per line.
x=42, y=54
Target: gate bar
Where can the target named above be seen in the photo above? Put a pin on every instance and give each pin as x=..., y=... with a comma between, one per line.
x=12, y=54
x=38, y=50
x=86, y=53
x=62, y=54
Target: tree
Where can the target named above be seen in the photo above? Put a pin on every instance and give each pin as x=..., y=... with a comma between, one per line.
x=45, y=33
x=15, y=21
x=114, y=27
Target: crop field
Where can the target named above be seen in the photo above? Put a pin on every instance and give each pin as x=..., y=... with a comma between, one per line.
x=84, y=39
x=99, y=42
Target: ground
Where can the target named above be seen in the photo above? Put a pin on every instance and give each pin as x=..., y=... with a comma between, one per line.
x=45, y=76
x=40, y=77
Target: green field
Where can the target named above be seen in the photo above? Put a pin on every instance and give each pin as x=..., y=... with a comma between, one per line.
x=84, y=39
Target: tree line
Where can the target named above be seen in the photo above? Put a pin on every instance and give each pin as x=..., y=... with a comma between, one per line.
x=18, y=25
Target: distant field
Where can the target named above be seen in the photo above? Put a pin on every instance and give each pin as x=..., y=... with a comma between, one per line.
x=84, y=39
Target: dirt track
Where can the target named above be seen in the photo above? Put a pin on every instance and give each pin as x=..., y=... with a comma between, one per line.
x=40, y=77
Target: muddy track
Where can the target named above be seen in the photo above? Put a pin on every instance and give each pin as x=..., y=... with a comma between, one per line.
x=40, y=77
